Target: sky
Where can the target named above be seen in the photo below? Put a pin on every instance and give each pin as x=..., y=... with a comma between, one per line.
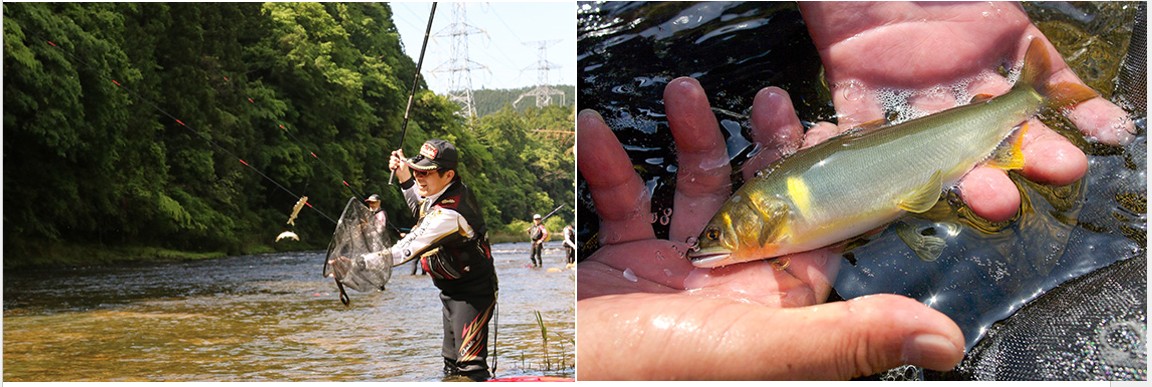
x=508, y=48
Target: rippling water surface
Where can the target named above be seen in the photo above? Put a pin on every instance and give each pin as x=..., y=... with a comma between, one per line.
x=268, y=318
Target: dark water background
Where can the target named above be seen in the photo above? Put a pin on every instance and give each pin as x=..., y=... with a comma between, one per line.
x=630, y=50
x=269, y=318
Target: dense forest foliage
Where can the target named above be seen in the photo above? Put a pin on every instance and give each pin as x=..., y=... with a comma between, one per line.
x=196, y=127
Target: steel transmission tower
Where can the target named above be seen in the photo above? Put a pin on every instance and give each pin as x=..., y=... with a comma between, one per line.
x=543, y=92
x=459, y=66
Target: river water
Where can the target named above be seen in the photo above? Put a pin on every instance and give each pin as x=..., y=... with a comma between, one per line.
x=269, y=318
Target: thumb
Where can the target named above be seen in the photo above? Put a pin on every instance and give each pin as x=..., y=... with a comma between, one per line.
x=659, y=336
x=867, y=335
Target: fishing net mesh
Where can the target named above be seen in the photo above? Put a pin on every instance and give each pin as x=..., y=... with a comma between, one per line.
x=360, y=231
x=1091, y=328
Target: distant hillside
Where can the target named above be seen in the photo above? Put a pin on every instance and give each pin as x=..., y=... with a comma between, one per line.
x=491, y=101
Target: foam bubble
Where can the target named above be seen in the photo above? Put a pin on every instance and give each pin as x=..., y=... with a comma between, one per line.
x=900, y=104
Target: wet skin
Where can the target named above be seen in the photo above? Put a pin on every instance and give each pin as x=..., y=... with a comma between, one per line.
x=668, y=320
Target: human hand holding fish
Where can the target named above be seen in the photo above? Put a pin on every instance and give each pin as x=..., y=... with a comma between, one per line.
x=646, y=313
x=937, y=54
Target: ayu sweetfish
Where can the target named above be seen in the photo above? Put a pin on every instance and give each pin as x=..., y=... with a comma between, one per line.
x=864, y=179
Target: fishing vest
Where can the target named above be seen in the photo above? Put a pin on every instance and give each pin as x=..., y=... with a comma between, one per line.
x=461, y=264
x=537, y=232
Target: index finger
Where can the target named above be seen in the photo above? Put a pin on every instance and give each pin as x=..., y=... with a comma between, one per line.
x=621, y=199
x=702, y=176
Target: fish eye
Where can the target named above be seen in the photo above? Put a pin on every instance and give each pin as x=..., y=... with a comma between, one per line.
x=712, y=234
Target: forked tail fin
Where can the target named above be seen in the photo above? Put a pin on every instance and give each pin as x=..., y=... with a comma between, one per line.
x=1037, y=69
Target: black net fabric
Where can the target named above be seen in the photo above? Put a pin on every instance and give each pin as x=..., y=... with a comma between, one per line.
x=360, y=231
x=1092, y=328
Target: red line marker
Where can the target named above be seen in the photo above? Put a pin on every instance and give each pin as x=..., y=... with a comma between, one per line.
x=180, y=122
x=52, y=43
x=244, y=162
x=117, y=83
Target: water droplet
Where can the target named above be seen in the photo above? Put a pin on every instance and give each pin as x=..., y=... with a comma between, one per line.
x=692, y=242
x=853, y=91
x=629, y=275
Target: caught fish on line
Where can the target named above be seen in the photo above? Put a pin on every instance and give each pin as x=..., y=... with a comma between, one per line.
x=867, y=178
x=287, y=235
x=296, y=209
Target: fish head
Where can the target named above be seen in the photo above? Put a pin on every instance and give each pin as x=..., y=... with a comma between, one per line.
x=745, y=229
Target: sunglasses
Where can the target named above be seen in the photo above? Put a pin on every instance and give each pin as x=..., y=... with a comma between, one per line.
x=422, y=174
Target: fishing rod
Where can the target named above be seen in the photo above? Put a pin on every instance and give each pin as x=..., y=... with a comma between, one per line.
x=180, y=122
x=552, y=213
x=545, y=217
x=415, y=82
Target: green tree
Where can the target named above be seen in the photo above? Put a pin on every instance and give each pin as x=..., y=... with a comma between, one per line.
x=198, y=126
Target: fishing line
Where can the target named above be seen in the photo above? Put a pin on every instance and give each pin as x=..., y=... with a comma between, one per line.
x=331, y=169
x=178, y=121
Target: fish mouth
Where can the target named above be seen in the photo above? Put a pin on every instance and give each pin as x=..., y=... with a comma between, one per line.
x=710, y=259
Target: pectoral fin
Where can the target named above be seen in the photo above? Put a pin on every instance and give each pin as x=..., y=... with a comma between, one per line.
x=924, y=197
x=927, y=247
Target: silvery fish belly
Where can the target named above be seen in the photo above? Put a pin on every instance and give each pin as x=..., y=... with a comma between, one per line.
x=864, y=179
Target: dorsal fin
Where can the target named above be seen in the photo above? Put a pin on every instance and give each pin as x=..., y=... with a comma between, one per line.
x=979, y=98
x=865, y=127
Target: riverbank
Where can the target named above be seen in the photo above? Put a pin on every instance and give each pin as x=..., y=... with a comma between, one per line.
x=31, y=255
x=63, y=254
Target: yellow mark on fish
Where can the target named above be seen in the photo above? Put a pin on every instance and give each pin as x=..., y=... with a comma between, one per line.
x=798, y=191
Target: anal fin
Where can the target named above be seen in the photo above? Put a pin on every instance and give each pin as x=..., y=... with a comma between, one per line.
x=1010, y=154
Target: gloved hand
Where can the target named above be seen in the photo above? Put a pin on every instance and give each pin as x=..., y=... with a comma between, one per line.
x=341, y=266
x=375, y=259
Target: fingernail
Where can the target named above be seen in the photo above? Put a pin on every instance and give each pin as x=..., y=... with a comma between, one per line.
x=588, y=113
x=931, y=351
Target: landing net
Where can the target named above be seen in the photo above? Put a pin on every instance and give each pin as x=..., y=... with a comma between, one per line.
x=359, y=231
